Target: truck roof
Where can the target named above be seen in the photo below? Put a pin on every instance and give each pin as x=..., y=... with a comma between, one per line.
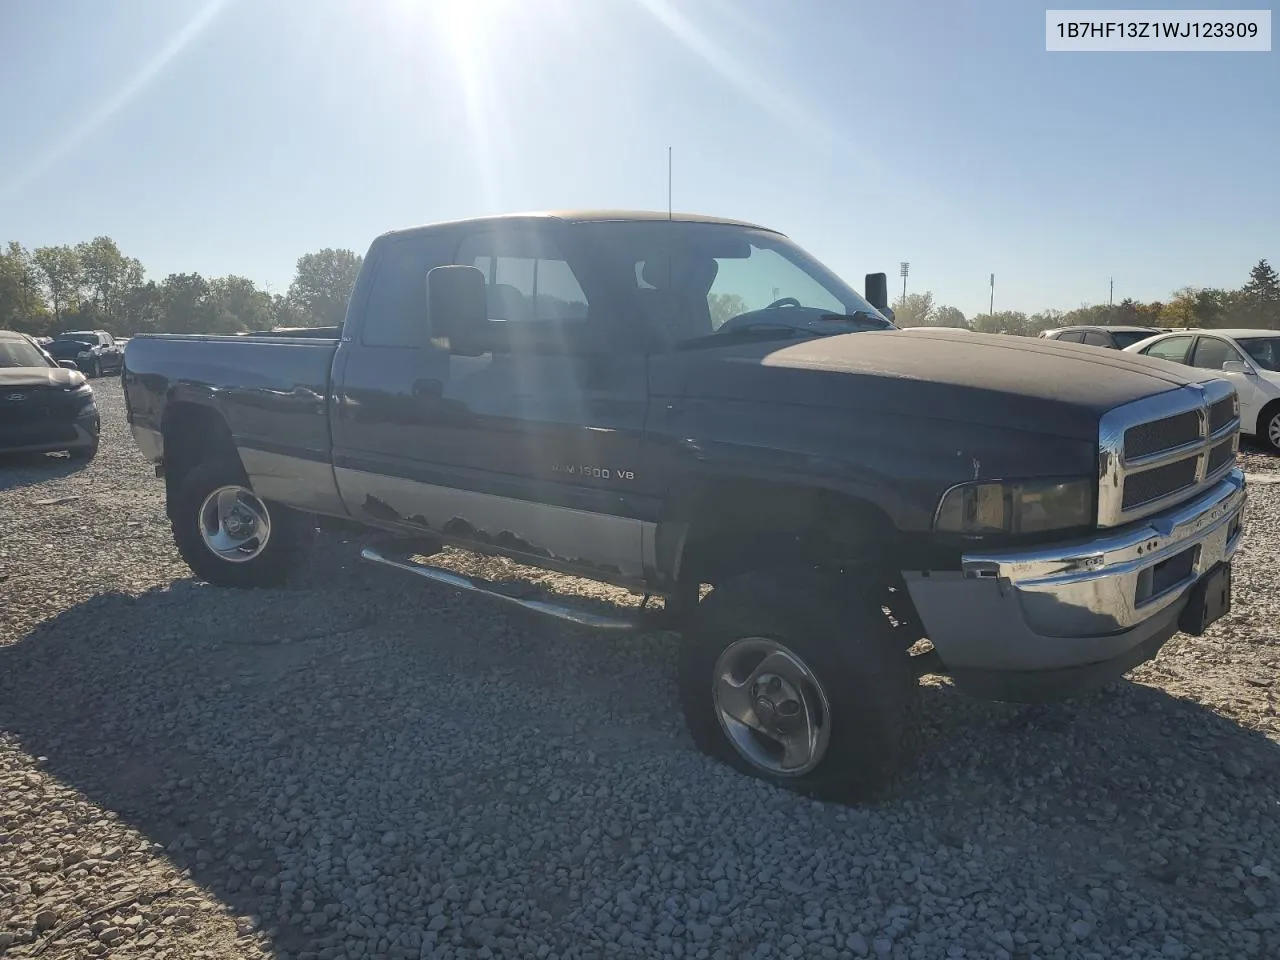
x=581, y=216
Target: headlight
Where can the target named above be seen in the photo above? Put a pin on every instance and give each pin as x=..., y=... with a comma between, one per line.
x=82, y=354
x=1030, y=506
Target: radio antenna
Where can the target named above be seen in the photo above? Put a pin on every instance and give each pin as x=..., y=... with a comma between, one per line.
x=668, y=183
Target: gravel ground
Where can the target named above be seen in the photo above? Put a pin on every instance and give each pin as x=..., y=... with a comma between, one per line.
x=362, y=766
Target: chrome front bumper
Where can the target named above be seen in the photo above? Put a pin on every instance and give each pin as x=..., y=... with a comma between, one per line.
x=1082, y=603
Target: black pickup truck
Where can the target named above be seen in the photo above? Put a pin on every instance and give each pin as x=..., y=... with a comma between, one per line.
x=676, y=403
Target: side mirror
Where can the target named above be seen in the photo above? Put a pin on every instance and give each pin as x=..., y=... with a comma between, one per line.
x=889, y=314
x=69, y=364
x=877, y=290
x=1237, y=366
x=457, y=308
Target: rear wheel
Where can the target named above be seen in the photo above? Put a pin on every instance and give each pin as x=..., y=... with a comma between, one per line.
x=231, y=538
x=790, y=678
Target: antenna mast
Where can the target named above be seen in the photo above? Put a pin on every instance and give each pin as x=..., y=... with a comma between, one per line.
x=668, y=183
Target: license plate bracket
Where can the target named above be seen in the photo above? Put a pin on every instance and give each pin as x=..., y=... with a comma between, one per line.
x=1210, y=601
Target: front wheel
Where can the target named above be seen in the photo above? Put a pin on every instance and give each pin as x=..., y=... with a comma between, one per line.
x=1269, y=431
x=796, y=679
x=84, y=454
x=228, y=536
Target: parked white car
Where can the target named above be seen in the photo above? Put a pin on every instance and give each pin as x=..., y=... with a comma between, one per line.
x=1250, y=359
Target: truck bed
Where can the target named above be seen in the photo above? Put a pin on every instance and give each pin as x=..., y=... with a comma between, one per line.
x=272, y=392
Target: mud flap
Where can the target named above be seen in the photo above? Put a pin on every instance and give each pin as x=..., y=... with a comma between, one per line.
x=1210, y=600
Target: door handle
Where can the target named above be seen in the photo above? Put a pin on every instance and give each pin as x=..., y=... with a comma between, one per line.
x=428, y=389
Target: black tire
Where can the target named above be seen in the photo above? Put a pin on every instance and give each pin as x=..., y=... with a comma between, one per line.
x=84, y=454
x=292, y=533
x=846, y=641
x=1269, y=416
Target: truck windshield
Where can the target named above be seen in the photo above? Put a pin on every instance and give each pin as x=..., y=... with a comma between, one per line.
x=697, y=280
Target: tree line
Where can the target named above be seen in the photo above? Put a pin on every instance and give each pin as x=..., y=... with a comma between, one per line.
x=93, y=285
x=1256, y=304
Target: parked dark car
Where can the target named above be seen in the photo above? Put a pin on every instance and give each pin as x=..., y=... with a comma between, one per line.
x=1110, y=338
x=95, y=352
x=44, y=407
x=669, y=403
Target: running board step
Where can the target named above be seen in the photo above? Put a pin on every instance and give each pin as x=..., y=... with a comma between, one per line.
x=547, y=608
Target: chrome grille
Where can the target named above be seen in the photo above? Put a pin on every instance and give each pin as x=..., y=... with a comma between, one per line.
x=1221, y=455
x=1222, y=413
x=1153, y=484
x=1148, y=438
x=1158, y=451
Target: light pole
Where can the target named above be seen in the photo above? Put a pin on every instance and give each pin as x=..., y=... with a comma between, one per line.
x=991, y=309
x=903, y=267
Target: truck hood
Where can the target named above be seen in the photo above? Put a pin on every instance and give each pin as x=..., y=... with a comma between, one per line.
x=40, y=377
x=1019, y=383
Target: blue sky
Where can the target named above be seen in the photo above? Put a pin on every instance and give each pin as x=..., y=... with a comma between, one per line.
x=231, y=137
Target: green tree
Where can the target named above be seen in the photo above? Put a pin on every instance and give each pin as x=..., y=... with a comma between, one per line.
x=1181, y=310
x=1213, y=307
x=1258, y=304
x=1050, y=319
x=914, y=310
x=107, y=274
x=239, y=305
x=184, y=304
x=283, y=312
x=22, y=305
x=724, y=306
x=1013, y=322
x=1096, y=314
x=60, y=270
x=1127, y=312
x=949, y=317
x=323, y=285
x=1149, y=314
x=142, y=309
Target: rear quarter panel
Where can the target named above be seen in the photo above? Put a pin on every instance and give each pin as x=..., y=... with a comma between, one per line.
x=272, y=392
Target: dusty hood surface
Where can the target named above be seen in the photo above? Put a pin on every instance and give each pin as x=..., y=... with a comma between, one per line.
x=1041, y=386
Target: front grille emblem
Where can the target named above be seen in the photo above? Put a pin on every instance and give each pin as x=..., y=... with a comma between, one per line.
x=16, y=396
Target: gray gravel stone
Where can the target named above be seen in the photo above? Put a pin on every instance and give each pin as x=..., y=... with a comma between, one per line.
x=359, y=767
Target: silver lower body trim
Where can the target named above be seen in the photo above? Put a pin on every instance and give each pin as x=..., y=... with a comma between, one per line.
x=578, y=538
x=294, y=481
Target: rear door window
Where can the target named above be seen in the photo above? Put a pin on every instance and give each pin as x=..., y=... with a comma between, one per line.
x=1171, y=348
x=1211, y=353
